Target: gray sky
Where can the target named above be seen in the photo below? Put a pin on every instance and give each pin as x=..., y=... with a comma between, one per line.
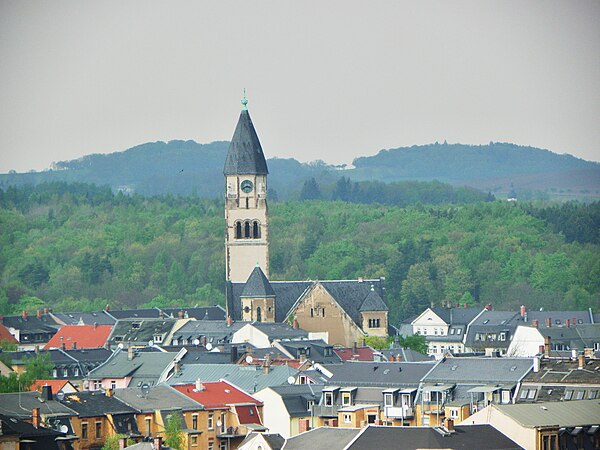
x=325, y=80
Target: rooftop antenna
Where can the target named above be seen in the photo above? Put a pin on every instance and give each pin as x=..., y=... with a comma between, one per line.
x=244, y=102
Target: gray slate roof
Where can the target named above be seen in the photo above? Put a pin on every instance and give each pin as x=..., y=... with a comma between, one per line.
x=245, y=155
x=479, y=370
x=95, y=404
x=322, y=438
x=85, y=318
x=159, y=397
x=560, y=317
x=373, y=302
x=198, y=312
x=216, y=331
x=481, y=437
x=145, y=367
x=564, y=414
x=21, y=404
x=257, y=285
x=139, y=331
x=274, y=440
x=350, y=294
x=247, y=378
x=295, y=397
x=384, y=374
x=406, y=354
x=456, y=316
x=276, y=330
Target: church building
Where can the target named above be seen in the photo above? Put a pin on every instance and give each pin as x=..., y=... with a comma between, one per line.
x=348, y=310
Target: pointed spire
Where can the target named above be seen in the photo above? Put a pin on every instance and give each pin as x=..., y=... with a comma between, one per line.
x=245, y=155
x=258, y=285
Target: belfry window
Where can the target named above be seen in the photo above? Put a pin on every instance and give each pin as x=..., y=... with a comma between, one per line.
x=255, y=230
x=247, y=229
x=238, y=230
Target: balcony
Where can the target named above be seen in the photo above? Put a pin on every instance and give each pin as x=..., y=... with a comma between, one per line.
x=325, y=411
x=399, y=412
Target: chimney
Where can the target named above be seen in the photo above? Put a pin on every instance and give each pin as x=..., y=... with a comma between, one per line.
x=177, y=367
x=36, y=349
x=574, y=321
x=203, y=341
x=464, y=305
x=74, y=346
x=267, y=364
x=122, y=443
x=47, y=393
x=24, y=315
x=364, y=342
x=130, y=354
x=38, y=313
x=450, y=425
x=568, y=323
x=581, y=361
x=574, y=354
x=199, y=385
x=548, y=322
x=547, y=343
x=588, y=352
x=234, y=354
x=95, y=325
x=63, y=346
x=535, y=323
x=108, y=392
x=488, y=307
x=157, y=441
x=180, y=314
x=295, y=324
x=229, y=321
x=398, y=357
x=36, y=419
x=107, y=308
x=354, y=348
x=45, y=310
x=523, y=311
x=536, y=364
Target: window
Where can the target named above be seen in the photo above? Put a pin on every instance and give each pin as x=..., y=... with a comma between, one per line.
x=418, y=331
x=434, y=349
x=531, y=394
x=323, y=312
x=580, y=395
x=568, y=394
x=426, y=396
x=223, y=425
x=247, y=229
x=98, y=430
x=65, y=372
x=347, y=418
x=503, y=336
x=54, y=373
x=194, y=441
x=76, y=371
x=435, y=331
x=388, y=399
x=458, y=330
x=309, y=405
x=505, y=396
x=157, y=338
x=592, y=395
x=255, y=230
x=453, y=412
x=210, y=421
x=328, y=398
x=84, y=430
x=346, y=399
x=371, y=418
x=223, y=445
x=147, y=422
x=113, y=384
x=194, y=421
x=451, y=330
x=523, y=393
x=211, y=445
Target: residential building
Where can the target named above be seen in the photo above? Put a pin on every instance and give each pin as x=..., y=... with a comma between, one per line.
x=262, y=441
x=322, y=438
x=553, y=340
x=31, y=331
x=18, y=434
x=234, y=413
x=317, y=351
x=491, y=332
x=83, y=318
x=262, y=334
x=144, y=332
x=206, y=333
x=545, y=426
x=458, y=387
x=64, y=386
x=287, y=409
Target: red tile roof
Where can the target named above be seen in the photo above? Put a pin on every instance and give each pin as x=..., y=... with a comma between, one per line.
x=247, y=415
x=84, y=336
x=217, y=394
x=362, y=353
x=57, y=385
x=6, y=336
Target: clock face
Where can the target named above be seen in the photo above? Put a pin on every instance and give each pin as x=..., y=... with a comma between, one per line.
x=247, y=186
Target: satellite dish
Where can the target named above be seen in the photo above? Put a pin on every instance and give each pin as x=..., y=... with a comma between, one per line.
x=60, y=396
x=196, y=342
x=219, y=423
x=209, y=346
x=291, y=380
x=63, y=429
x=150, y=343
x=120, y=346
x=249, y=359
x=145, y=389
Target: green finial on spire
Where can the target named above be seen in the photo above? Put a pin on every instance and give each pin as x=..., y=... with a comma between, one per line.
x=244, y=101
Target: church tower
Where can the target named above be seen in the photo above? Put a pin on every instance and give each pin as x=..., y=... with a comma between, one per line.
x=246, y=237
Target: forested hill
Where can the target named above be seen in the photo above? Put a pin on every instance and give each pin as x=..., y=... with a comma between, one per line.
x=186, y=167
x=78, y=247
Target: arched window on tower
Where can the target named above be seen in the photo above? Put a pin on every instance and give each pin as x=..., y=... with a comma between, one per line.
x=256, y=230
x=238, y=230
x=247, y=229
x=258, y=314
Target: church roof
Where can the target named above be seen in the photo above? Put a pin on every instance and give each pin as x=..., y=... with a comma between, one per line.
x=245, y=155
x=350, y=295
x=373, y=302
x=257, y=285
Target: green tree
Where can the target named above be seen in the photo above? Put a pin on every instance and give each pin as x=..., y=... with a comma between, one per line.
x=377, y=342
x=174, y=435
x=415, y=342
x=112, y=442
x=310, y=190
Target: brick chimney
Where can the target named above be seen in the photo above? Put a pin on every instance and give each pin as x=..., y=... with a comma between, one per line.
x=523, y=311
x=74, y=345
x=574, y=321
x=130, y=354
x=45, y=310
x=548, y=322
x=450, y=425
x=568, y=323
x=229, y=321
x=535, y=323
x=547, y=343
x=180, y=314
x=581, y=361
x=36, y=419
x=107, y=308
x=488, y=307
x=108, y=392
x=157, y=441
x=38, y=313
x=295, y=324
x=46, y=393
x=24, y=315
x=267, y=365
x=63, y=346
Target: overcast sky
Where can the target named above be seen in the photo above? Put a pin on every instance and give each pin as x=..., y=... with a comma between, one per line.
x=325, y=80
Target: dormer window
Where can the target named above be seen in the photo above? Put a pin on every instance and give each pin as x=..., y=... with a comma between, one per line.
x=328, y=398
x=136, y=325
x=388, y=399
x=157, y=338
x=346, y=398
